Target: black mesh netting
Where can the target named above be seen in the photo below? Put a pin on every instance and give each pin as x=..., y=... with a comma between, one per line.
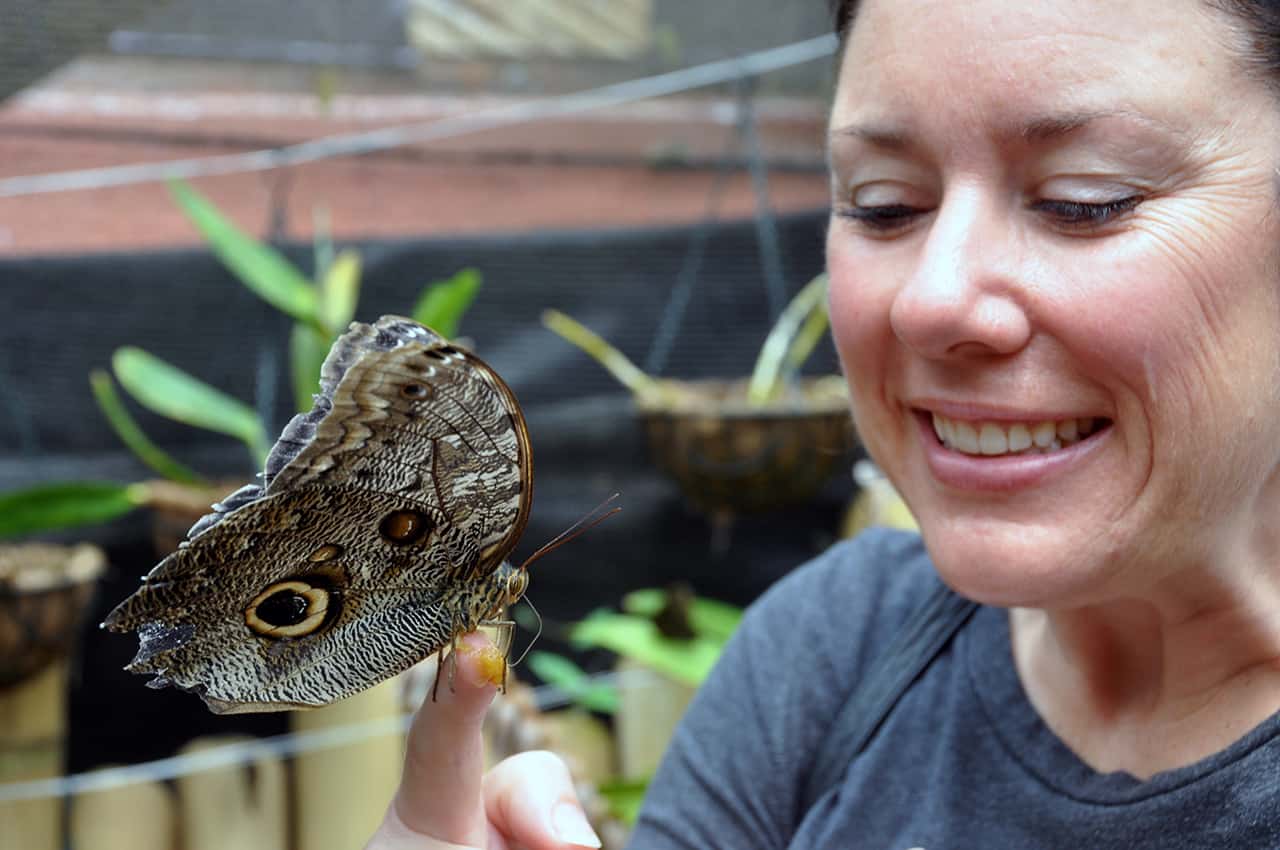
x=65, y=315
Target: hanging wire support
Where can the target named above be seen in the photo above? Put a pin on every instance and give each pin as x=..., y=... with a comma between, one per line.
x=353, y=144
x=19, y=415
x=266, y=377
x=678, y=299
x=766, y=228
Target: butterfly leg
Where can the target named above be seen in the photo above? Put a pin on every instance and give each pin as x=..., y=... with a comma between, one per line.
x=435, y=680
x=441, y=659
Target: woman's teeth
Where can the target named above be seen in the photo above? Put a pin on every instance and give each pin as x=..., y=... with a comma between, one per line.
x=1003, y=438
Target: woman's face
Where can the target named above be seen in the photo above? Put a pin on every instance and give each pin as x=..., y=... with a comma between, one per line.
x=1054, y=287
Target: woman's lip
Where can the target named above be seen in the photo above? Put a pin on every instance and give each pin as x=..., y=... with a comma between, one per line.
x=1002, y=473
x=976, y=413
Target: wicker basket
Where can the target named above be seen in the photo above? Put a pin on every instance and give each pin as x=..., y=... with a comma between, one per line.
x=729, y=456
x=45, y=591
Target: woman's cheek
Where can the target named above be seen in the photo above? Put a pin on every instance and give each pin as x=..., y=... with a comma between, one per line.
x=860, y=301
x=862, y=341
x=848, y=300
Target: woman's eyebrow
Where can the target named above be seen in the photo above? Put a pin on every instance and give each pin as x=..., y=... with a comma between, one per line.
x=1036, y=130
x=1049, y=127
x=879, y=136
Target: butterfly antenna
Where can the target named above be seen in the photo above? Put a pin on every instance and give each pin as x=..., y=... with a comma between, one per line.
x=580, y=527
x=536, y=635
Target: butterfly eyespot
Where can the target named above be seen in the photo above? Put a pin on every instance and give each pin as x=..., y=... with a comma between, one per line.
x=288, y=609
x=327, y=552
x=415, y=390
x=404, y=528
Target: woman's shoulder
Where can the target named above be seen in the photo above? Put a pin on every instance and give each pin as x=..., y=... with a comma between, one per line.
x=882, y=571
x=843, y=605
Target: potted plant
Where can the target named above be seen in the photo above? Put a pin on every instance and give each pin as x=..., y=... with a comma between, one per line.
x=758, y=443
x=320, y=309
x=666, y=641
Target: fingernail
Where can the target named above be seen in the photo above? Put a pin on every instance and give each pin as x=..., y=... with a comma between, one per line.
x=571, y=826
x=489, y=664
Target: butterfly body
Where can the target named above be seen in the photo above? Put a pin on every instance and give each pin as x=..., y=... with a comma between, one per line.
x=378, y=536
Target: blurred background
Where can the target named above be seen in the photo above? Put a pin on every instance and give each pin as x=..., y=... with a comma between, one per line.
x=197, y=195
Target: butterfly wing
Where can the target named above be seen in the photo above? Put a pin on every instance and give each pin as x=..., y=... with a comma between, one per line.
x=383, y=515
x=423, y=419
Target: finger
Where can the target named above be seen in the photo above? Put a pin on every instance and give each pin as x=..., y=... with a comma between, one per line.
x=392, y=834
x=440, y=790
x=530, y=799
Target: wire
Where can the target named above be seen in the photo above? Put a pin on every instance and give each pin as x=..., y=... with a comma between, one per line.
x=353, y=144
x=246, y=752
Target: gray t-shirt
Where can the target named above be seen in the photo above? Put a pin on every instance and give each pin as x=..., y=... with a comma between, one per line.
x=962, y=763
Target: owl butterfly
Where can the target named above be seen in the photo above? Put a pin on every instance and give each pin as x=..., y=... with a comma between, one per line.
x=378, y=535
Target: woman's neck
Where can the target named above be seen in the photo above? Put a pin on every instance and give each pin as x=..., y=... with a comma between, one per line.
x=1149, y=685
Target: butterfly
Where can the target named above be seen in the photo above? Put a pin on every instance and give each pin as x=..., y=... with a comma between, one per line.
x=378, y=534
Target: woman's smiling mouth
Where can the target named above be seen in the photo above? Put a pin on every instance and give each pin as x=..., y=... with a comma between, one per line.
x=989, y=439
x=1001, y=456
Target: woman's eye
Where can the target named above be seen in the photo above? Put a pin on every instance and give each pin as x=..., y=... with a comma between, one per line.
x=1078, y=214
x=882, y=218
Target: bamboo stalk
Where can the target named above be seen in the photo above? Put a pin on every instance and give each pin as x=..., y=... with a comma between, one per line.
x=234, y=807
x=650, y=707
x=32, y=737
x=132, y=817
x=341, y=794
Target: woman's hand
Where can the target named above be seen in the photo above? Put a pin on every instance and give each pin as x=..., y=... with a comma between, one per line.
x=446, y=801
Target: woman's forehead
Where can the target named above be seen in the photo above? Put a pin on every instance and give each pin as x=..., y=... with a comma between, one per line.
x=1028, y=67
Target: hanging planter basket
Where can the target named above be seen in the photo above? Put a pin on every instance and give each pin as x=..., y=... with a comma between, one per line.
x=45, y=591
x=731, y=456
x=760, y=443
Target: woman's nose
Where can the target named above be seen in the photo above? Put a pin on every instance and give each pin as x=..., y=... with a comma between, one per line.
x=965, y=296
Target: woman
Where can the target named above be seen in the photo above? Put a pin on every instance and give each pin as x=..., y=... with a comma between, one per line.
x=1054, y=258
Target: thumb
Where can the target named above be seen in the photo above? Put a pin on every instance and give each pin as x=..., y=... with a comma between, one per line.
x=441, y=790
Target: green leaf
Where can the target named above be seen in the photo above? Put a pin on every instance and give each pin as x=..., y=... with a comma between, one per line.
x=127, y=429
x=714, y=620
x=790, y=340
x=614, y=361
x=557, y=670
x=709, y=618
x=644, y=603
x=66, y=505
x=686, y=661
x=624, y=797
x=807, y=339
x=261, y=268
x=339, y=292
x=574, y=682
x=172, y=392
x=443, y=303
x=307, y=350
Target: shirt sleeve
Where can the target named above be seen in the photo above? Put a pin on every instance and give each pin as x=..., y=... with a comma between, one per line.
x=732, y=775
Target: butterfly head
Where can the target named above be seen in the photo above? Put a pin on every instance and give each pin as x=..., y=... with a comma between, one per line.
x=517, y=584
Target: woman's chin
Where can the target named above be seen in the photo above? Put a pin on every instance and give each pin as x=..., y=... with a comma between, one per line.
x=1016, y=568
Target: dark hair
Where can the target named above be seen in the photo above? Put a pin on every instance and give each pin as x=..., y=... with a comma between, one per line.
x=1258, y=21
x=842, y=12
